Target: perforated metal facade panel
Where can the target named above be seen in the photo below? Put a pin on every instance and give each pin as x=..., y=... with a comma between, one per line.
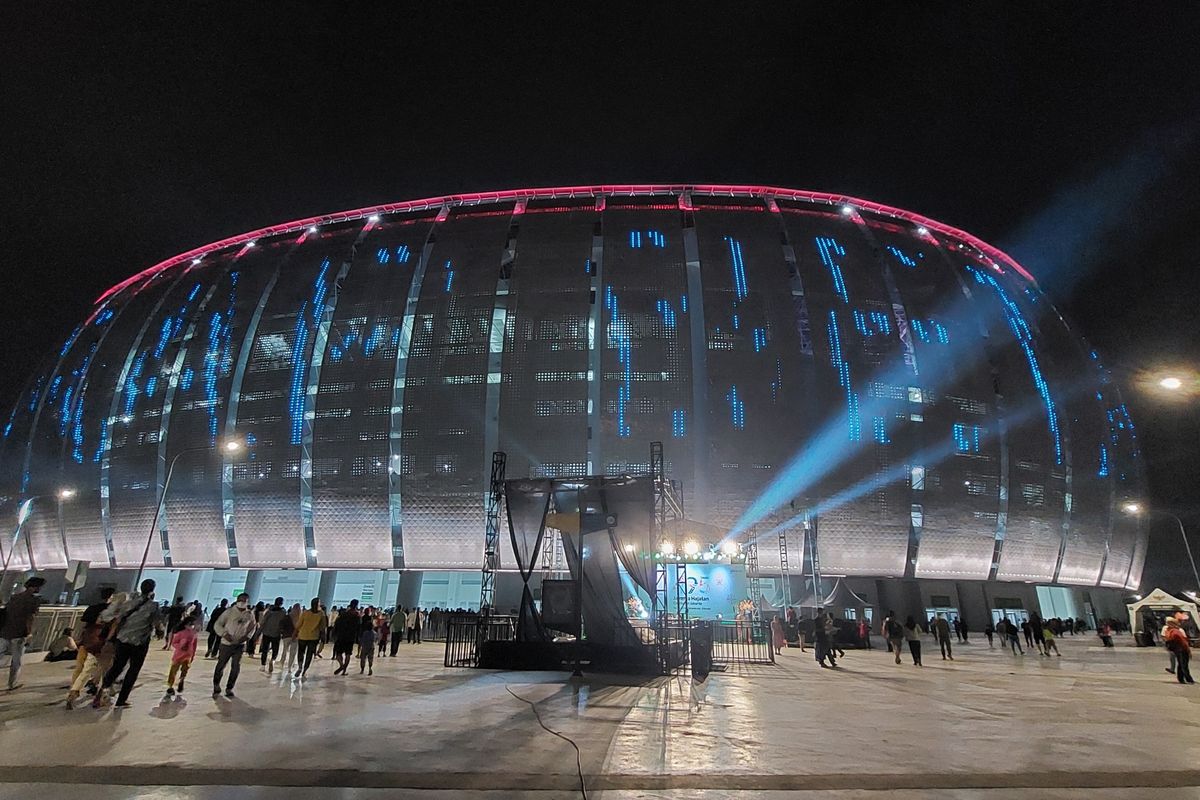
x=897, y=381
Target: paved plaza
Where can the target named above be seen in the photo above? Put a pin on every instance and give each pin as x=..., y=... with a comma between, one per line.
x=1095, y=723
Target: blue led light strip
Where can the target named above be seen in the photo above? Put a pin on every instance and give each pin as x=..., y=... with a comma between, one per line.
x=903, y=257
x=1021, y=332
x=853, y=419
x=737, y=409
x=741, y=288
x=830, y=251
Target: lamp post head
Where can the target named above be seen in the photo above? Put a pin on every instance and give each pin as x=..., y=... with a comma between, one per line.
x=233, y=446
x=66, y=493
x=1132, y=508
x=1171, y=383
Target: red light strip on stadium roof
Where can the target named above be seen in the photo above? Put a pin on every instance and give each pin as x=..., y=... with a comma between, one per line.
x=997, y=256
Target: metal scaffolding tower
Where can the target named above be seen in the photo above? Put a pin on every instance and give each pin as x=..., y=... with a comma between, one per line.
x=751, y=548
x=491, y=540
x=784, y=571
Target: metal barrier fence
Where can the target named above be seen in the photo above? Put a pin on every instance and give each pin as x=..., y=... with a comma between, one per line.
x=734, y=643
x=742, y=643
x=50, y=622
x=463, y=636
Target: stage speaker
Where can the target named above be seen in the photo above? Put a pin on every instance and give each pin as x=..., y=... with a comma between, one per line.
x=559, y=609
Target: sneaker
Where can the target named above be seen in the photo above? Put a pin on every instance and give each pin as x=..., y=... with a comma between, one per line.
x=170, y=691
x=370, y=672
x=126, y=704
x=12, y=687
x=229, y=692
x=101, y=698
x=216, y=691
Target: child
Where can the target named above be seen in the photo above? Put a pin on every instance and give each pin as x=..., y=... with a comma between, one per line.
x=184, y=643
x=1050, y=644
x=384, y=629
x=366, y=644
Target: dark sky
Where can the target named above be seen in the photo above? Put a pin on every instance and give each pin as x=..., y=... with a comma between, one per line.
x=1063, y=133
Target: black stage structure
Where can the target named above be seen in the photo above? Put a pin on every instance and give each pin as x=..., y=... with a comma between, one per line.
x=607, y=524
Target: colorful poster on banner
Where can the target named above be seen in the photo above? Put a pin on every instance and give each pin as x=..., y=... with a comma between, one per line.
x=713, y=590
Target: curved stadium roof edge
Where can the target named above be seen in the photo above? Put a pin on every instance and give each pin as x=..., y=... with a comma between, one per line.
x=998, y=257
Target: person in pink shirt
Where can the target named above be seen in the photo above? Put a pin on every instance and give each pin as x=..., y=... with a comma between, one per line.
x=183, y=642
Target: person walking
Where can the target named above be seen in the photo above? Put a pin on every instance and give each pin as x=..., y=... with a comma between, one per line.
x=962, y=626
x=864, y=634
x=893, y=631
x=174, y=617
x=941, y=631
x=989, y=631
x=366, y=644
x=777, y=639
x=913, y=634
x=957, y=629
x=1048, y=641
x=235, y=627
x=1035, y=630
x=383, y=627
x=133, y=625
x=91, y=641
x=183, y=642
x=252, y=643
x=1177, y=642
x=397, y=629
x=214, y=640
x=345, y=637
x=1013, y=634
x=821, y=636
x=411, y=623
x=289, y=631
x=18, y=625
x=309, y=632
x=272, y=630
x=1027, y=630
x=1171, y=661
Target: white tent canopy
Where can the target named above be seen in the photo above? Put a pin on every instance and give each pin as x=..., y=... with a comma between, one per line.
x=1158, y=600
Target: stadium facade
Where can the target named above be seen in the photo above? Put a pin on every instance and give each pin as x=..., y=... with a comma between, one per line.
x=896, y=384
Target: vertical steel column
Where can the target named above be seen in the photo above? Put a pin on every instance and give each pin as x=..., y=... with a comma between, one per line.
x=658, y=519
x=235, y=395
x=784, y=571
x=495, y=362
x=165, y=419
x=112, y=419
x=399, y=379
x=699, y=346
x=595, y=321
x=315, y=362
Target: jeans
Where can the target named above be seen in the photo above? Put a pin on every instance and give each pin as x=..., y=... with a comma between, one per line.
x=132, y=654
x=213, y=642
x=1182, y=672
x=914, y=647
x=1014, y=644
x=395, y=643
x=366, y=657
x=308, y=648
x=288, y=656
x=947, y=650
x=226, y=654
x=270, y=643
x=15, y=648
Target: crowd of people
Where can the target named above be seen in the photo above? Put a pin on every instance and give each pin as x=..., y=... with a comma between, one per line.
x=114, y=635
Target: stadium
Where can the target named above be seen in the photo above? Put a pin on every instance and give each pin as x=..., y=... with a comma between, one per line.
x=860, y=391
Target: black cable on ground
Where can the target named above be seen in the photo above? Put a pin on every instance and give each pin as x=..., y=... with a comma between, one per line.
x=565, y=738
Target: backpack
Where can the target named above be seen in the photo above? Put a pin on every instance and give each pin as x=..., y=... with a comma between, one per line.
x=894, y=630
x=287, y=627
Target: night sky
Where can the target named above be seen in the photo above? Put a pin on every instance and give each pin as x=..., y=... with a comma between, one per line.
x=1071, y=140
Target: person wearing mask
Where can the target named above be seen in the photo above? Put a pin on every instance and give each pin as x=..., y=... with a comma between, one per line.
x=1177, y=642
x=18, y=624
x=235, y=627
x=132, y=626
x=309, y=631
x=271, y=624
x=214, y=640
x=183, y=640
x=941, y=630
x=345, y=637
x=289, y=630
x=398, y=625
x=913, y=634
x=63, y=648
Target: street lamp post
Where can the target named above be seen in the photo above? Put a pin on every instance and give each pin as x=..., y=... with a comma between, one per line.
x=23, y=514
x=1136, y=508
x=230, y=447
